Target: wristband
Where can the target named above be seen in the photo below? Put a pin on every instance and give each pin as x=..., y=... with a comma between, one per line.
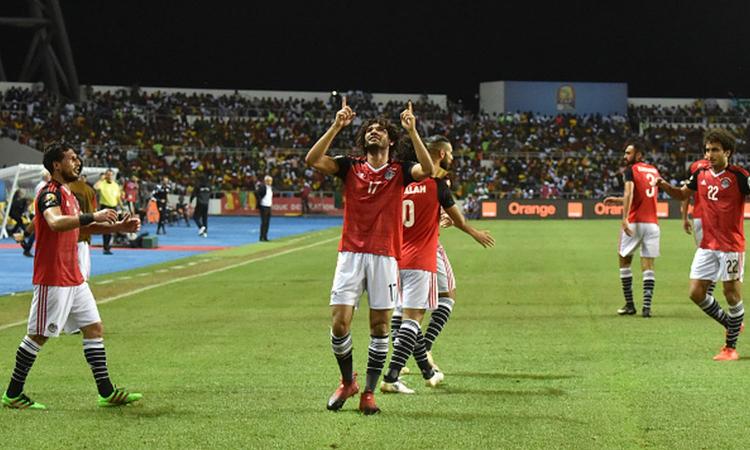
x=86, y=219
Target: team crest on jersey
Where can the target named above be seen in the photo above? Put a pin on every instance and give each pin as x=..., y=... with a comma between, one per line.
x=389, y=174
x=52, y=328
x=725, y=182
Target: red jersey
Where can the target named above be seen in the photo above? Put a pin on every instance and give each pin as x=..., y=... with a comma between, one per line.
x=421, y=210
x=56, y=258
x=372, y=212
x=723, y=197
x=131, y=191
x=697, y=208
x=643, y=207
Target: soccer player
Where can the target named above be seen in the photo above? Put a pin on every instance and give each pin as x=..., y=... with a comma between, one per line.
x=370, y=240
x=62, y=299
x=696, y=226
x=418, y=265
x=722, y=189
x=640, y=227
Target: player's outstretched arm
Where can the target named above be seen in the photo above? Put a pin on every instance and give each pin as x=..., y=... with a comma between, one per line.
x=682, y=193
x=128, y=224
x=316, y=157
x=57, y=221
x=484, y=238
x=613, y=201
x=425, y=167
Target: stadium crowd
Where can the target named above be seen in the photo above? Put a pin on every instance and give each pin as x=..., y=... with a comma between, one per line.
x=233, y=140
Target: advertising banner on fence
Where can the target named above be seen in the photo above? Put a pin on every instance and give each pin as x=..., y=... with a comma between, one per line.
x=570, y=209
x=244, y=203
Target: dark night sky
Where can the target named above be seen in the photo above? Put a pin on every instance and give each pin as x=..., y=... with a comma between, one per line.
x=660, y=48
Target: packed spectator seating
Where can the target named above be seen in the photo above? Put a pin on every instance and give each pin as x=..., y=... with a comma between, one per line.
x=234, y=140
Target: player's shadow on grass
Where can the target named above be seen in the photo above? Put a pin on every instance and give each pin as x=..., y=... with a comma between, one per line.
x=543, y=392
x=473, y=417
x=511, y=376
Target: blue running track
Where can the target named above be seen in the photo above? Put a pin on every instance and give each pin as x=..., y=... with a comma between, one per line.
x=179, y=242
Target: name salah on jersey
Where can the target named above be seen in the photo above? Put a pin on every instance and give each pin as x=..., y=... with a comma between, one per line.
x=415, y=189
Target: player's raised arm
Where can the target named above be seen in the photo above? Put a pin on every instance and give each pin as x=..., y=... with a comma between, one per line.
x=316, y=157
x=682, y=193
x=425, y=167
x=484, y=238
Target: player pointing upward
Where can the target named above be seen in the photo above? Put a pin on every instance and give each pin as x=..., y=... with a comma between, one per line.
x=370, y=241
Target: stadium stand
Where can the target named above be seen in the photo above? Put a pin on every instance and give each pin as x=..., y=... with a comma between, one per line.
x=234, y=139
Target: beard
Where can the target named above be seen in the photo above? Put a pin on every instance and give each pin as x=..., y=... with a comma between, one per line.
x=373, y=147
x=69, y=176
x=445, y=165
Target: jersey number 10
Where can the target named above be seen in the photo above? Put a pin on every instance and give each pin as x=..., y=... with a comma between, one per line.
x=408, y=213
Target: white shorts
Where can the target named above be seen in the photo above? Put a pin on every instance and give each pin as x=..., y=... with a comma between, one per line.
x=418, y=289
x=698, y=231
x=84, y=259
x=57, y=308
x=716, y=265
x=645, y=235
x=357, y=272
x=445, y=279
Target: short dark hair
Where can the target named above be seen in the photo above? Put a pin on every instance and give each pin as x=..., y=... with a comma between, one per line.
x=435, y=143
x=54, y=153
x=638, y=144
x=393, y=133
x=721, y=136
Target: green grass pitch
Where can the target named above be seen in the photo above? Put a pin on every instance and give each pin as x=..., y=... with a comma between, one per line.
x=534, y=355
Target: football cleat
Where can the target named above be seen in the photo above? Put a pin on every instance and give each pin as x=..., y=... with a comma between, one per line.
x=119, y=397
x=628, y=309
x=646, y=312
x=436, y=379
x=367, y=403
x=342, y=393
x=397, y=387
x=21, y=402
x=727, y=354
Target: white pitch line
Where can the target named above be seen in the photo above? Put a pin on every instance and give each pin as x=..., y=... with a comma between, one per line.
x=189, y=277
x=104, y=281
x=162, y=270
x=126, y=277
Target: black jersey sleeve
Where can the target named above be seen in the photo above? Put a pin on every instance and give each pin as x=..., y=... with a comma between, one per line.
x=627, y=175
x=742, y=179
x=407, y=166
x=47, y=199
x=445, y=196
x=692, y=182
x=345, y=163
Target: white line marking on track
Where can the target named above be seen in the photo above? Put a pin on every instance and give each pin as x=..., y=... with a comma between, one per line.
x=189, y=277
